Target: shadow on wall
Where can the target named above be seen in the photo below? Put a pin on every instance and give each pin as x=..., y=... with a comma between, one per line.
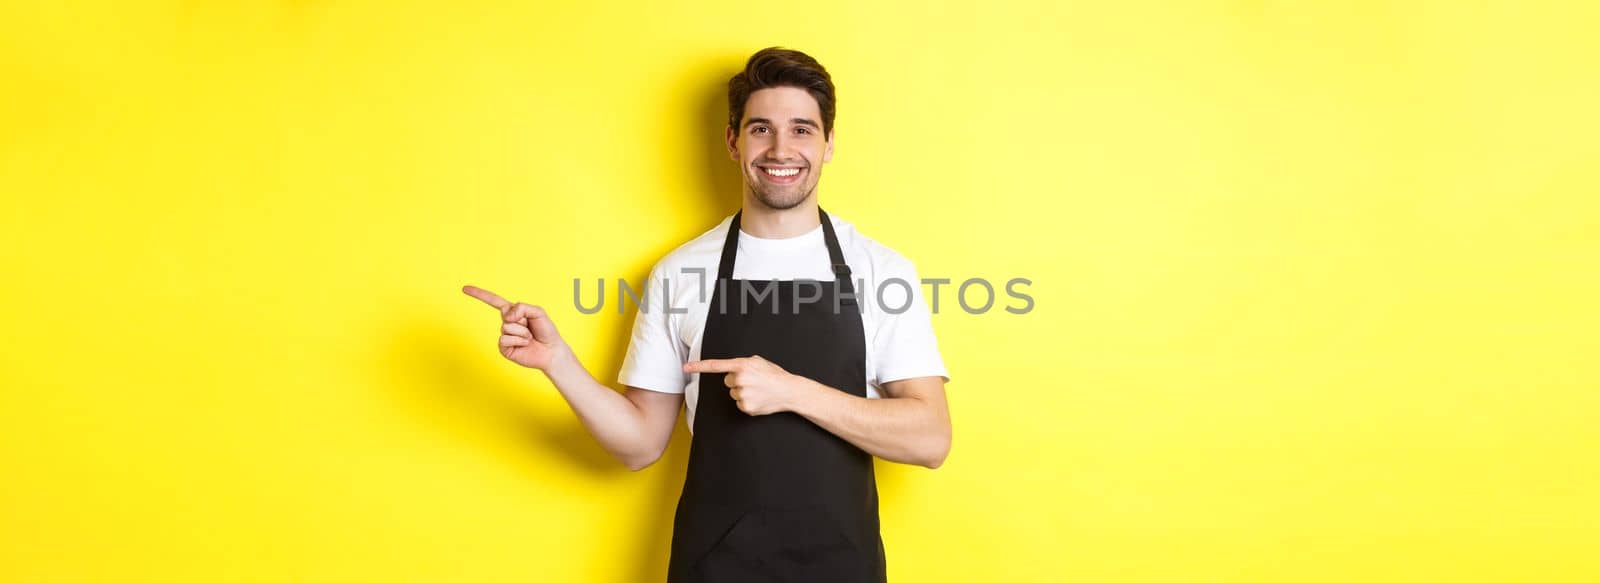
x=721, y=182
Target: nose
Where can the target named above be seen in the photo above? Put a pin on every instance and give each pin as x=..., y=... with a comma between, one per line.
x=780, y=147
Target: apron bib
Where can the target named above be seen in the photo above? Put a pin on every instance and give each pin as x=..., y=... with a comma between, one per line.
x=775, y=497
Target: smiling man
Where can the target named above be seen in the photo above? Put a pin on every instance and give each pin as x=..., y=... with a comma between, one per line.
x=801, y=361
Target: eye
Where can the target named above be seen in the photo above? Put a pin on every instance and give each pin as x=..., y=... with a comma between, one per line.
x=758, y=129
x=803, y=130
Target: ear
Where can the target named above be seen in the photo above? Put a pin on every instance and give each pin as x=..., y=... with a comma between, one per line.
x=827, y=152
x=732, y=139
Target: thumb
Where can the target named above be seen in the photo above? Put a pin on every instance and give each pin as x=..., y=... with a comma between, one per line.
x=543, y=329
x=537, y=321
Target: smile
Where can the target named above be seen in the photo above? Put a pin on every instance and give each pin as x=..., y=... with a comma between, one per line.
x=781, y=175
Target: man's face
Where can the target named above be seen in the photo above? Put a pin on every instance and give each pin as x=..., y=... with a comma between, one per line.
x=780, y=147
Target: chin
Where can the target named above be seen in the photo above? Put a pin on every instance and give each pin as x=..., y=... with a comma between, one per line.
x=781, y=203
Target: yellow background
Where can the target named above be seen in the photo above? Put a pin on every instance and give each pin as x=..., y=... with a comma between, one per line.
x=1315, y=285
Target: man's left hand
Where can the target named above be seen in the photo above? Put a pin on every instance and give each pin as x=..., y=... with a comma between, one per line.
x=757, y=386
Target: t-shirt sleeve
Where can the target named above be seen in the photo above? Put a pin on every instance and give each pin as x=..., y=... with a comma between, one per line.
x=904, y=346
x=655, y=356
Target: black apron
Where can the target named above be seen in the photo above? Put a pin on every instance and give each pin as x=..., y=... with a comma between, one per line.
x=775, y=498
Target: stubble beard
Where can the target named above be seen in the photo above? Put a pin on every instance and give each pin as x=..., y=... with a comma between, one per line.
x=781, y=200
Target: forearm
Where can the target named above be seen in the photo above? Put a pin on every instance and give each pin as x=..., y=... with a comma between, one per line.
x=899, y=429
x=610, y=417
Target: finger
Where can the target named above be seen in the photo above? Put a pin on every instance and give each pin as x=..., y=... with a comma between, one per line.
x=735, y=393
x=714, y=365
x=536, y=319
x=515, y=329
x=521, y=311
x=731, y=379
x=487, y=297
x=543, y=329
x=508, y=340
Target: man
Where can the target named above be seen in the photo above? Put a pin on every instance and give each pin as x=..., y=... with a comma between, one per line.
x=797, y=363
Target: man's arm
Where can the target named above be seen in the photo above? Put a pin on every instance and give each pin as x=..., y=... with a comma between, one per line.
x=634, y=427
x=910, y=425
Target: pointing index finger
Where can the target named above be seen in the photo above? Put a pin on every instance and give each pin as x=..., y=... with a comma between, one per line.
x=713, y=365
x=487, y=297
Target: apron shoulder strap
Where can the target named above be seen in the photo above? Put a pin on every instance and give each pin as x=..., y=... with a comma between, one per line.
x=729, y=245
x=841, y=270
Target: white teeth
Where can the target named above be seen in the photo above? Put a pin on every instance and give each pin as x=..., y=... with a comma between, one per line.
x=782, y=171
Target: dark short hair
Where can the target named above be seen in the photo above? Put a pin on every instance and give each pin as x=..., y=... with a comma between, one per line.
x=780, y=67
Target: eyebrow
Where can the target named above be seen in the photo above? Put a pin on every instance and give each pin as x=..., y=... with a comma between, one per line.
x=794, y=120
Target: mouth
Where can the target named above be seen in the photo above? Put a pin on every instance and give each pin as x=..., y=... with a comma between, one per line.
x=781, y=174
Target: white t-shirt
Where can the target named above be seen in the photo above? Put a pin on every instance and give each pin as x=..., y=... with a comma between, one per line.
x=899, y=345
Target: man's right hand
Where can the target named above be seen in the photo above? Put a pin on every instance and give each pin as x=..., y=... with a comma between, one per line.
x=527, y=336
x=634, y=427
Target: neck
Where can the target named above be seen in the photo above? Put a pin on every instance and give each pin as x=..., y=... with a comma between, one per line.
x=769, y=223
